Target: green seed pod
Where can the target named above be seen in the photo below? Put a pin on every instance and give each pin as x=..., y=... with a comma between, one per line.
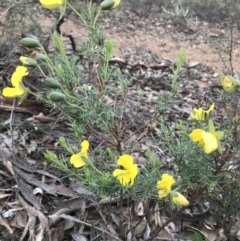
x=30, y=42
x=56, y=96
x=41, y=57
x=52, y=83
x=107, y=4
x=28, y=61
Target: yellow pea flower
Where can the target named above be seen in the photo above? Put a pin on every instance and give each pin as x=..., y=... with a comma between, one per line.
x=52, y=4
x=179, y=199
x=229, y=83
x=78, y=159
x=209, y=141
x=200, y=114
x=205, y=140
x=165, y=186
x=130, y=171
x=16, y=81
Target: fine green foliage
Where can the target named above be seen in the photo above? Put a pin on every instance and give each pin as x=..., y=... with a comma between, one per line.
x=79, y=90
x=93, y=96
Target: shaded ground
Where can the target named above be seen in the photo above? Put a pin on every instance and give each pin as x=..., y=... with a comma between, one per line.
x=145, y=49
x=159, y=35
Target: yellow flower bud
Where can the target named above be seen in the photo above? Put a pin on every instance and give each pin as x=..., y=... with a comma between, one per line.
x=179, y=199
x=28, y=61
x=229, y=83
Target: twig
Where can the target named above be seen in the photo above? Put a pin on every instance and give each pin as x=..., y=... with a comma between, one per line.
x=8, y=10
x=89, y=225
x=11, y=120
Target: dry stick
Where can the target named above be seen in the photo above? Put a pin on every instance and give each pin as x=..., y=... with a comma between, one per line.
x=143, y=126
x=13, y=5
x=122, y=111
x=42, y=218
x=134, y=118
x=231, y=26
x=88, y=224
x=157, y=230
x=121, y=214
x=109, y=226
x=97, y=134
x=11, y=120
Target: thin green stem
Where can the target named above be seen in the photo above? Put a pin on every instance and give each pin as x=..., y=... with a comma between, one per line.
x=37, y=96
x=74, y=106
x=96, y=18
x=77, y=13
x=48, y=59
x=40, y=69
x=97, y=170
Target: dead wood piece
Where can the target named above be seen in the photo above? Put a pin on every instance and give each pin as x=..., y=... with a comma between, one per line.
x=65, y=207
x=109, y=226
x=23, y=165
x=42, y=218
x=28, y=106
x=89, y=225
x=5, y=224
x=27, y=193
x=62, y=190
x=35, y=182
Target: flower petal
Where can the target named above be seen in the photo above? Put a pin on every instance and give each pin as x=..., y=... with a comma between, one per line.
x=125, y=161
x=13, y=92
x=162, y=193
x=85, y=146
x=197, y=114
x=196, y=135
x=51, y=4
x=17, y=76
x=77, y=161
x=116, y=3
x=211, y=107
x=210, y=142
x=122, y=176
x=133, y=173
x=180, y=199
x=118, y=172
x=166, y=182
x=226, y=82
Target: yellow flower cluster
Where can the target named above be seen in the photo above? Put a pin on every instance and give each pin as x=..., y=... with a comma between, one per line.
x=200, y=114
x=127, y=175
x=209, y=141
x=165, y=189
x=130, y=170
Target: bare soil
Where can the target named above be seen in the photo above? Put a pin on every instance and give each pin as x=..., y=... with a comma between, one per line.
x=142, y=41
x=159, y=35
